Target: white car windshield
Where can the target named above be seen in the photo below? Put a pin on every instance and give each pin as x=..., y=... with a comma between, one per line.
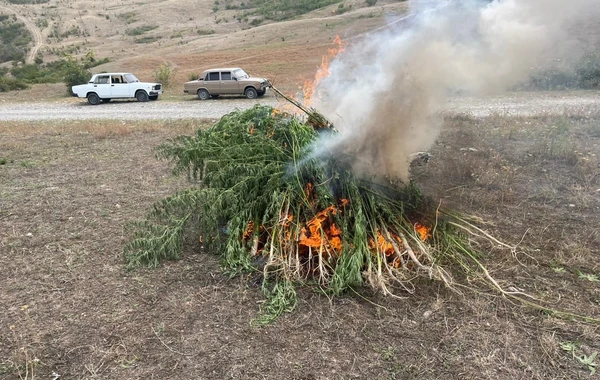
x=240, y=74
x=130, y=78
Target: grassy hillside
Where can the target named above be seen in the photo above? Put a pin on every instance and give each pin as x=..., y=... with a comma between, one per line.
x=119, y=27
x=279, y=39
x=283, y=39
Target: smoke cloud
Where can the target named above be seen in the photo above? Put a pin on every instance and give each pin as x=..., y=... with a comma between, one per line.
x=385, y=92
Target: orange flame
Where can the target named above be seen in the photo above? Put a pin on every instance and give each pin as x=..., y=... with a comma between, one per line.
x=249, y=230
x=310, y=86
x=312, y=236
x=321, y=234
x=423, y=231
x=384, y=245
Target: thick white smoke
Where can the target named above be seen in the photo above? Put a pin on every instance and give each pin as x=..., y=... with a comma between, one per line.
x=385, y=92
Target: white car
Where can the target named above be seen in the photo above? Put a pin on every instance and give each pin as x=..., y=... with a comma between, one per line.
x=106, y=86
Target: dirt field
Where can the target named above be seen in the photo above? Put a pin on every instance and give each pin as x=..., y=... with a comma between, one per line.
x=69, y=308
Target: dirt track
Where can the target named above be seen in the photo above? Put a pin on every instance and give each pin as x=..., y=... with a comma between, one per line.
x=523, y=104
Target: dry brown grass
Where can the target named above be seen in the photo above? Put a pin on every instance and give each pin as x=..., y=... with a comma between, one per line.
x=507, y=170
x=98, y=128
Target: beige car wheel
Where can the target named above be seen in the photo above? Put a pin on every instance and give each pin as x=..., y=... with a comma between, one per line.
x=203, y=94
x=251, y=93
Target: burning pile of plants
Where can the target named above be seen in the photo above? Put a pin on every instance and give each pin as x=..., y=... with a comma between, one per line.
x=265, y=202
x=269, y=198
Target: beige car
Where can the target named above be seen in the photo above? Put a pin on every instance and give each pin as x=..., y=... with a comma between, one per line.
x=227, y=81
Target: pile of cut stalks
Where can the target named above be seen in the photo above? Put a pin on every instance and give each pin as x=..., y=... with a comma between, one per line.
x=264, y=202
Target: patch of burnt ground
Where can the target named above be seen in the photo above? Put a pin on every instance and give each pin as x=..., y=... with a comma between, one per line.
x=68, y=307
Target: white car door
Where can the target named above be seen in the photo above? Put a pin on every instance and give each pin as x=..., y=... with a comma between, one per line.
x=102, y=86
x=119, y=88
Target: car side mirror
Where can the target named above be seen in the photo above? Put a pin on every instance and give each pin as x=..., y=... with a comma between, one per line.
x=234, y=78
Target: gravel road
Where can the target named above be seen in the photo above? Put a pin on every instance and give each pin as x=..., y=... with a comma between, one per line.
x=525, y=104
x=79, y=109
x=528, y=104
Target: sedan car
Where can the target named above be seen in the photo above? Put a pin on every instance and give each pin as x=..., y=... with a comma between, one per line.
x=226, y=81
x=107, y=86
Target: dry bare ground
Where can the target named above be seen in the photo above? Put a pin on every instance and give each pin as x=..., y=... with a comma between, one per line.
x=69, y=308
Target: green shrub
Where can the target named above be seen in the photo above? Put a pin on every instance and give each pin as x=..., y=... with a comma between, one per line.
x=552, y=79
x=342, y=8
x=128, y=17
x=11, y=84
x=585, y=75
x=205, y=32
x=588, y=71
x=146, y=39
x=164, y=74
x=140, y=30
x=42, y=23
x=29, y=73
x=73, y=31
x=14, y=39
x=256, y=21
x=278, y=10
x=74, y=73
x=67, y=70
x=370, y=3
